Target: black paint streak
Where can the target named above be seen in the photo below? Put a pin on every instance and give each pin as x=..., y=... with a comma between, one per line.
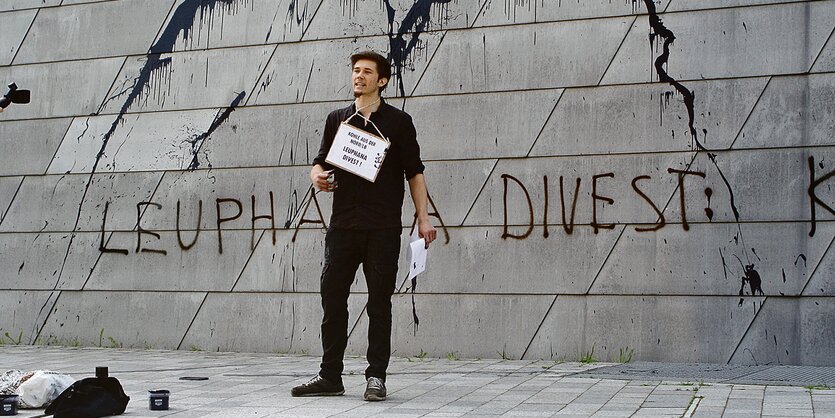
x=295, y=14
x=708, y=210
x=220, y=118
x=798, y=258
x=814, y=200
x=416, y=20
x=724, y=265
x=667, y=36
x=181, y=21
x=659, y=30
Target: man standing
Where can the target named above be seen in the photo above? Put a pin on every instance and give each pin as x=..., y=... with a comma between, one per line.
x=365, y=227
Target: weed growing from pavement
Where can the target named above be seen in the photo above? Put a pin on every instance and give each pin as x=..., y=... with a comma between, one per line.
x=588, y=358
x=12, y=340
x=625, y=355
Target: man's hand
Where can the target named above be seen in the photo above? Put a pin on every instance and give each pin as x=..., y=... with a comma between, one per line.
x=319, y=178
x=427, y=232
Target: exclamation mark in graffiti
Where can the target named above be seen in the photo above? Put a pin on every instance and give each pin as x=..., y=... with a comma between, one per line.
x=708, y=210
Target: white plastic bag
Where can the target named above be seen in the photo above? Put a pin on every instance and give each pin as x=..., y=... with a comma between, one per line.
x=42, y=388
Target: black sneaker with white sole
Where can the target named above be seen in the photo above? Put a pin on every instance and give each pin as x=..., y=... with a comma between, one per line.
x=318, y=386
x=375, y=390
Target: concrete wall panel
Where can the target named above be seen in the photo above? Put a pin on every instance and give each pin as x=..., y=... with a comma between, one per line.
x=27, y=4
x=628, y=205
x=487, y=125
x=287, y=266
x=8, y=189
x=135, y=142
x=93, y=30
x=661, y=328
x=816, y=317
x=214, y=103
x=479, y=261
x=20, y=307
x=826, y=59
x=371, y=17
x=646, y=118
x=533, y=56
x=47, y=261
x=187, y=80
x=27, y=147
x=201, y=25
x=793, y=112
x=99, y=318
x=822, y=282
x=52, y=203
x=294, y=321
x=268, y=136
x=287, y=184
x=310, y=71
x=15, y=25
x=777, y=39
x=503, y=13
x=677, y=6
x=481, y=326
x=767, y=185
x=61, y=89
x=708, y=260
x=200, y=268
x=789, y=331
x=453, y=186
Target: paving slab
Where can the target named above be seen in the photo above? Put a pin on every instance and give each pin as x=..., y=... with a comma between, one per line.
x=258, y=385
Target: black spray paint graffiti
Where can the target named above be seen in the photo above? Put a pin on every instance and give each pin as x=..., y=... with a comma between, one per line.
x=415, y=22
x=597, y=199
x=220, y=118
x=659, y=30
x=227, y=210
x=181, y=22
x=814, y=200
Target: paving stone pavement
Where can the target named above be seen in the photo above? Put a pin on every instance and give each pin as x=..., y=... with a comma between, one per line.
x=258, y=385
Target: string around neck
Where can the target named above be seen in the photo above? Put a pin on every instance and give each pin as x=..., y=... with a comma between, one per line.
x=366, y=106
x=367, y=120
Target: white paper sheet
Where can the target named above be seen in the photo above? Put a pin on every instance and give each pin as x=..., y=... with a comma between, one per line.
x=418, y=250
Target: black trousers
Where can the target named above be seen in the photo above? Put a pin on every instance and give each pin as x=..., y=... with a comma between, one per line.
x=378, y=251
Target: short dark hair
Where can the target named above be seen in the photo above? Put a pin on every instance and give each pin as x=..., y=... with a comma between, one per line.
x=383, y=64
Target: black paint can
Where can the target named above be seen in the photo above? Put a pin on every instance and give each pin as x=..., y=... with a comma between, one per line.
x=158, y=400
x=8, y=405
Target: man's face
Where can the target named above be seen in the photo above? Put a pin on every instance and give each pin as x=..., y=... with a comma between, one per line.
x=366, y=79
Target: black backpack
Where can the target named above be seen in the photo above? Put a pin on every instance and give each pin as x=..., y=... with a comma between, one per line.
x=90, y=398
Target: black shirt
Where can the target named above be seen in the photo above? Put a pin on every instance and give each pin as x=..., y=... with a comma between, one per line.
x=357, y=202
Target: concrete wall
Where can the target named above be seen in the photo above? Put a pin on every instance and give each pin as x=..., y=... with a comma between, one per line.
x=603, y=171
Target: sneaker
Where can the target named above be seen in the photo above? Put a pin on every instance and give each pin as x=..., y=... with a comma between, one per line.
x=375, y=390
x=318, y=386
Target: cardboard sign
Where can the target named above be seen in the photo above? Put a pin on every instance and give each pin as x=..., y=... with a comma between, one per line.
x=357, y=151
